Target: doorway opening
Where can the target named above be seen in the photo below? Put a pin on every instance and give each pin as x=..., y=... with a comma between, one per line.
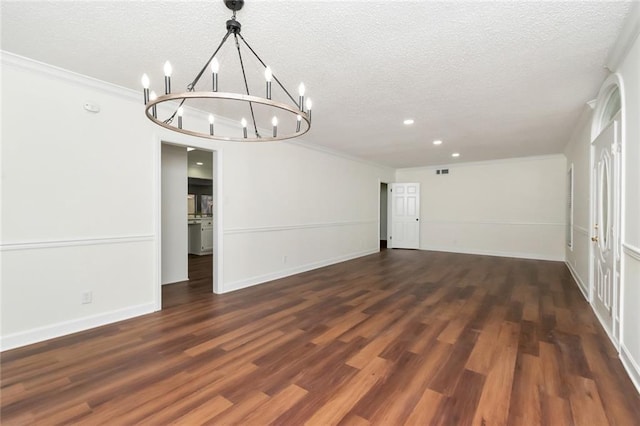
x=384, y=208
x=188, y=205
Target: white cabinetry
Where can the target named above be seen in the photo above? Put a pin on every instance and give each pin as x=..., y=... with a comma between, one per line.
x=201, y=236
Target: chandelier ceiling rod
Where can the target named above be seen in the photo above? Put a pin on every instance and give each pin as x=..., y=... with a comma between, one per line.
x=246, y=85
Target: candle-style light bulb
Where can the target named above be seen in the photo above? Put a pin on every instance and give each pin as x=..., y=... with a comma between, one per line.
x=167, y=77
x=215, y=67
x=309, y=104
x=298, y=121
x=244, y=127
x=301, y=90
x=145, y=88
x=274, y=123
x=211, y=119
x=180, y=114
x=268, y=75
x=153, y=97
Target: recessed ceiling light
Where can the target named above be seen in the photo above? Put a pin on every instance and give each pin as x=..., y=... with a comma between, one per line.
x=437, y=142
x=199, y=163
x=190, y=149
x=455, y=154
x=408, y=121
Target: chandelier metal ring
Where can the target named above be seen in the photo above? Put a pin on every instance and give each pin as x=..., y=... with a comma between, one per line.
x=181, y=97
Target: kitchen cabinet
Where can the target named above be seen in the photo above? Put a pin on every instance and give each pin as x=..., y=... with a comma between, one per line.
x=201, y=236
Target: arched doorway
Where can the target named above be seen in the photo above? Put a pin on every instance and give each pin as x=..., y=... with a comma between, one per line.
x=606, y=163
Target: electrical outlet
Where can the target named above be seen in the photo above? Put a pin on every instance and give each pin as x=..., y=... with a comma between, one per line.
x=284, y=259
x=87, y=297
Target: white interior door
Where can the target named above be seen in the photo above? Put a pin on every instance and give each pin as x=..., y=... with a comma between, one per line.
x=405, y=215
x=604, y=289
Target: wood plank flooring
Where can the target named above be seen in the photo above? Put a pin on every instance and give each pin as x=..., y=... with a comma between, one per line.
x=200, y=283
x=399, y=337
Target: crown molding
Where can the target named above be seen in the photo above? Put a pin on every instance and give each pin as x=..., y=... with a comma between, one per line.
x=314, y=147
x=626, y=38
x=583, y=122
x=63, y=74
x=486, y=163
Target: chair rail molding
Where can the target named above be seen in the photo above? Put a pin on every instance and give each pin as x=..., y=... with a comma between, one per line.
x=631, y=251
x=279, y=228
x=44, y=244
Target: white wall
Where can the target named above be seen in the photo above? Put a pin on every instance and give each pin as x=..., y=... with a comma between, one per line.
x=77, y=205
x=507, y=208
x=175, y=266
x=288, y=209
x=578, y=154
x=80, y=205
x=630, y=341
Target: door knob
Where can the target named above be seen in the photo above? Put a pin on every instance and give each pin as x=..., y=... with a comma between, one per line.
x=417, y=219
x=594, y=239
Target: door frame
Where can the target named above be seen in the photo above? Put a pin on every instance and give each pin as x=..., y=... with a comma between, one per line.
x=217, y=155
x=618, y=187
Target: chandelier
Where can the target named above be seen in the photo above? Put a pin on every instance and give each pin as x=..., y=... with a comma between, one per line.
x=270, y=119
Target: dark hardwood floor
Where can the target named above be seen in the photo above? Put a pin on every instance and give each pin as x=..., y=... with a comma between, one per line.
x=200, y=283
x=399, y=337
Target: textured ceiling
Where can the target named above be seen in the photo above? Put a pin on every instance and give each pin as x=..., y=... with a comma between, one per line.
x=491, y=79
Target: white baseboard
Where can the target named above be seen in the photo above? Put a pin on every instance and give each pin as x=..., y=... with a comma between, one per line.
x=534, y=256
x=608, y=332
x=632, y=367
x=64, y=328
x=583, y=288
x=260, y=279
x=177, y=280
x=629, y=364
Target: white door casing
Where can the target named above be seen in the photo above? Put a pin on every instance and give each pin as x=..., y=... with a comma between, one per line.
x=606, y=229
x=405, y=215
